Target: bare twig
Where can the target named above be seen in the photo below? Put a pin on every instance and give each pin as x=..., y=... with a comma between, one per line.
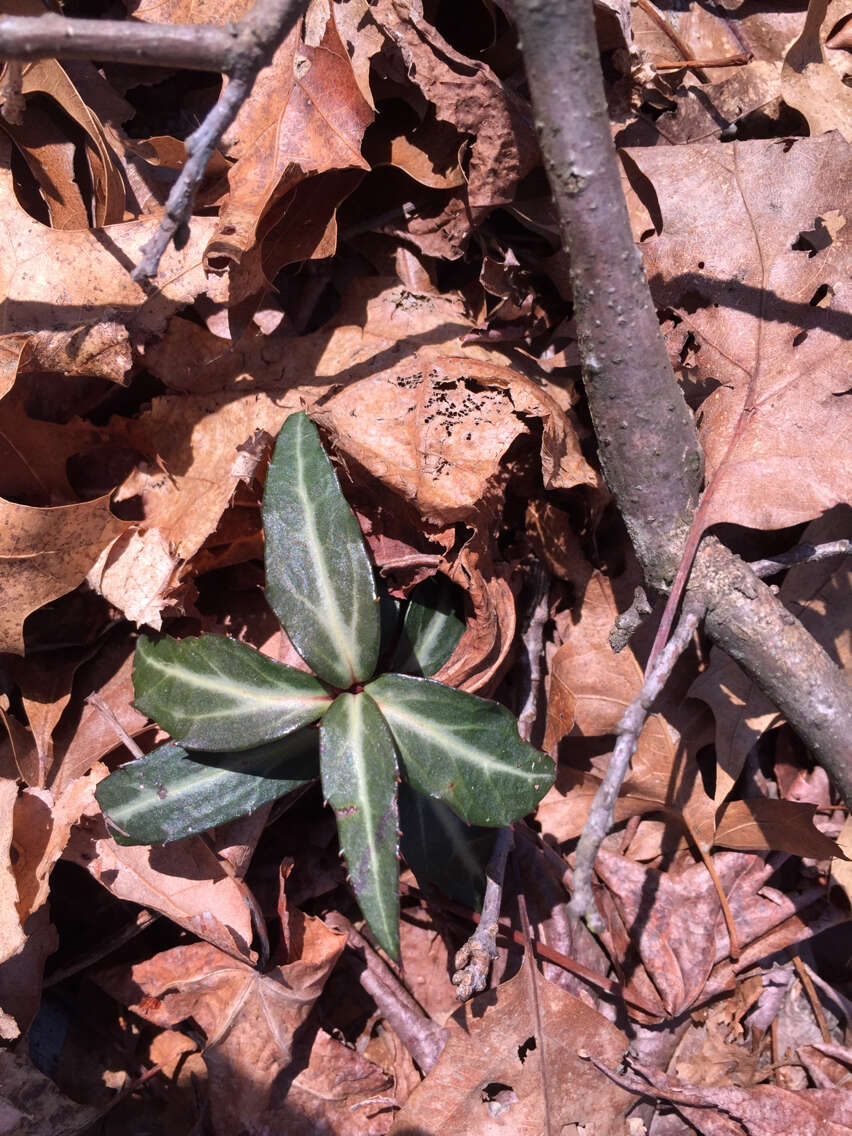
x=473, y=960
x=422, y=1037
x=693, y=64
x=540, y=1032
x=507, y=936
x=628, y=621
x=813, y=998
x=599, y=822
x=239, y=50
x=189, y=46
x=261, y=31
x=105, y=947
x=647, y=439
x=802, y=554
x=681, y=44
x=532, y=637
x=121, y=734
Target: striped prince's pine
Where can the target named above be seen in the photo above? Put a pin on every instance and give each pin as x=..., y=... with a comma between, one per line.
x=244, y=726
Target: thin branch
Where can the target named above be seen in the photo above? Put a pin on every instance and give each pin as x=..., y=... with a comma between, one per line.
x=190, y=46
x=532, y=637
x=239, y=50
x=508, y=936
x=802, y=554
x=664, y=25
x=693, y=64
x=600, y=818
x=473, y=960
x=422, y=1037
x=268, y=23
x=647, y=440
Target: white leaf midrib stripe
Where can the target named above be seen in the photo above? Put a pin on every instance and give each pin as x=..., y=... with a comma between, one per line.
x=476, y=756
x=222, y=688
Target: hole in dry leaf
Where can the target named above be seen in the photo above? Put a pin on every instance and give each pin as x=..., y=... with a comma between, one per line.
x=799, y=339
x=527, y=1047
x=822, y=293
x=498, y=1098
x=813, y=240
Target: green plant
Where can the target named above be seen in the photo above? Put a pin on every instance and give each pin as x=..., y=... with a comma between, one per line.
x=246, y=724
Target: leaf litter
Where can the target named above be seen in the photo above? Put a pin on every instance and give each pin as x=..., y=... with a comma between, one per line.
x=375, y=244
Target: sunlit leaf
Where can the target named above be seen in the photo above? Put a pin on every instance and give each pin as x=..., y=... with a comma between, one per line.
x=319, y=580
x=431, y=628
x=359, y=781
x=213, y=693
x=441, y=849
x=461, y=749
x=173, y=792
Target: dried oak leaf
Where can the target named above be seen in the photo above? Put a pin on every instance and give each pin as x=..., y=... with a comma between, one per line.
x=45, y=553
x=814, y=79
x=436, y=428
x=467, y=94
x=250, y=1019
x=764, y=1110
x=763, y=313
x=679, y=933
x=70, y=290
x=305, y=116
x=184, y=880
x=12, y=936
x=491, y=1074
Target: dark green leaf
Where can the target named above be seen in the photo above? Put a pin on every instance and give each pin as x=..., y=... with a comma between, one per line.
x=463, y=750
x=442, y=850
x=358, y=766
x=431, y=628
x=214, y=693
x=318, y=578
x=173, y=792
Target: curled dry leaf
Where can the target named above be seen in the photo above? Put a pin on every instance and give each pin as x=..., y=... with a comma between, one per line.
x=45, y=553
x=185, y=881
x=70, y=290
x=814, y=79
x=436, y=428
x=764, y=313
x=764, y=1110
x=305, y=116
x=466, y=93
x=250, y=1019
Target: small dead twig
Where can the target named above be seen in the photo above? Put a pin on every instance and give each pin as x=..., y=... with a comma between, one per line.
x=422, y=1037
x=535, y=1001
x=508, y=937
x=681, y=44
x=473, y=960
x=813, y=998
x=695, y=64
x=105, y=947
x=121, y=734
x=801, y=554
x=262, y=30
x=599, y=822
x=239, y=50
x=532, y=637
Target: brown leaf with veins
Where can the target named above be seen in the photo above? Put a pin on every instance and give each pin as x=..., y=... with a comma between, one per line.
x=435, y=429
x=674, y=922
x=45, y=553
x=764, y=313
x=499, y=1027
x=184, y=880
x=250, y=1019
x=305, y=115
x=814, y=80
